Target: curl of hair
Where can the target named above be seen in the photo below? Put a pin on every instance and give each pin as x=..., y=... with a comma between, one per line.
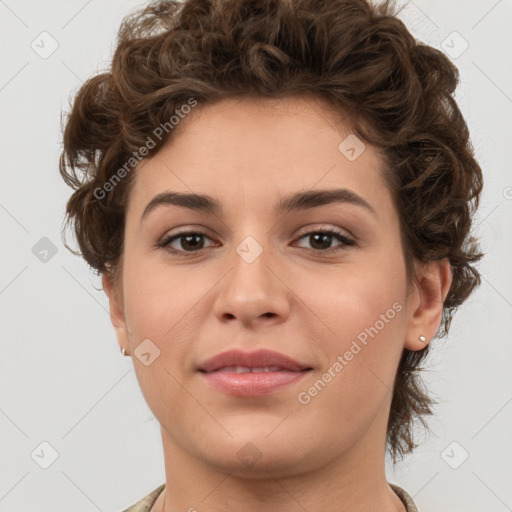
x=356, y=56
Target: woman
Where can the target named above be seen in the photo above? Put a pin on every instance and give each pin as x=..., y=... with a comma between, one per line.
x=279, y=197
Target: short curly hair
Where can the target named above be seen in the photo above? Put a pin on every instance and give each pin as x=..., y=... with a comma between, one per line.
x=358, y=57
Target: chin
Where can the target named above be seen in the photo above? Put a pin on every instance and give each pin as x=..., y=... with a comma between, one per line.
x=258, y=455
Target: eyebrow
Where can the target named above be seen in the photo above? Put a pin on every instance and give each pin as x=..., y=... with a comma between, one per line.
x=290, y=203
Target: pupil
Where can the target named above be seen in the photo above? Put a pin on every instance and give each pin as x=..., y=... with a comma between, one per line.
x=186, y=240
x=326, y=239
x=320, y=240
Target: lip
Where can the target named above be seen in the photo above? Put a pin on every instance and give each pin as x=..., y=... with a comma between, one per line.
x=219, y=372
x=256, y=359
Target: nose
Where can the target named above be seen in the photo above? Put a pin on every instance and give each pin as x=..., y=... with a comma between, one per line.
x=255, y=291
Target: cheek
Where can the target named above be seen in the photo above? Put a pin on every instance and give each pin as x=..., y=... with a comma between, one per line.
x=350, y=300
x=159, y=306
x=167, y=306
x=157, y=298
x=359, y=321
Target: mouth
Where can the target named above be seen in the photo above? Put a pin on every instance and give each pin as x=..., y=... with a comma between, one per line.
x=251, y=374
x=247, y=369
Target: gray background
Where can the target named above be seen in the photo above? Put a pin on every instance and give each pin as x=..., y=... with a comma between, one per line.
x=63, y=380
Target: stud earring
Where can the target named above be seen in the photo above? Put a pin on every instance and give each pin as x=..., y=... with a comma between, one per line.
x=123, y=351
x=422, y=338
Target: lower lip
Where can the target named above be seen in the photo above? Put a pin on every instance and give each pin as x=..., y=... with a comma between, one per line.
x=252, y=384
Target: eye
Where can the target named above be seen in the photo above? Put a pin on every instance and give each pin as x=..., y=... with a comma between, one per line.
x=321, y=240
x=193, y=241
x=187, y=242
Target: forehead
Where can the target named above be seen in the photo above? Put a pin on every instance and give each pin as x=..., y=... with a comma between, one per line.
x=261, y=148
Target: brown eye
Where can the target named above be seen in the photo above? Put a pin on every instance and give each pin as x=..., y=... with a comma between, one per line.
x=189, y=242
x=186, y=242
x=321, y=240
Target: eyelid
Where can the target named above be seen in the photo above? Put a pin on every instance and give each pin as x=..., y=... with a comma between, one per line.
x=346, y=241
x=197, y=229
x=167, y=238
x=326, y=227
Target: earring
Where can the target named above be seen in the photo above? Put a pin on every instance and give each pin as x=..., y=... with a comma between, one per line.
x=422, y=338
x=123, y=351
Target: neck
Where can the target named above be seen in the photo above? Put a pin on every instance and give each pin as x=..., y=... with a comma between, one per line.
x=352, y=481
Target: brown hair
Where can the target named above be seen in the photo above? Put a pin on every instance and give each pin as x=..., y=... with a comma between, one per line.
x=356, y=56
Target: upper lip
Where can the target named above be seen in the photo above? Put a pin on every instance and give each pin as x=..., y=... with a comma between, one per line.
x=257, y=359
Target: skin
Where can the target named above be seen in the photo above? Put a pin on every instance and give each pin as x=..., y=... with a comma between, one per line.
x=327, y=454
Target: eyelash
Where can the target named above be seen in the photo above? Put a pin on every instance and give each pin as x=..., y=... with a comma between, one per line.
x=347, y=242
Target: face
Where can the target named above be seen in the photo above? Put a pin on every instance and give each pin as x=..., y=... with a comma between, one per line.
x=319, y=280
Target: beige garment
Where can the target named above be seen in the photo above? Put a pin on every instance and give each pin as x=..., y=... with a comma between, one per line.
x=145, y=504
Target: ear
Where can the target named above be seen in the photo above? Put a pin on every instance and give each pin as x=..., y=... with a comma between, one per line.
x=425, y=306
x=116, y=310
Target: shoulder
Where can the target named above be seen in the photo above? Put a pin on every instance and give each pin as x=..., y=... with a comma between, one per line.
x=145, y=504
x=410, y=506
